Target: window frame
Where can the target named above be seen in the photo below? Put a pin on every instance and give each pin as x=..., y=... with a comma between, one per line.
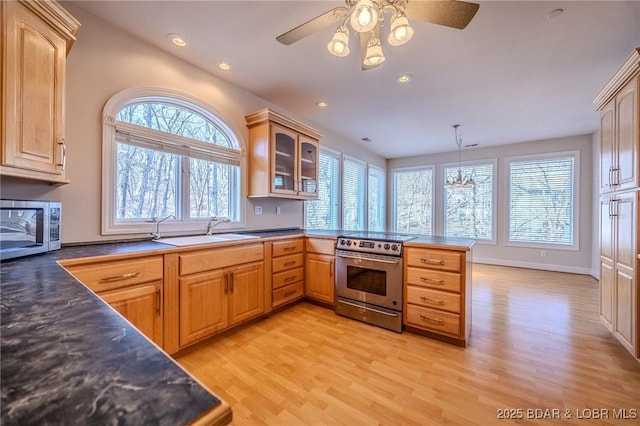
x=494, y=201
x=383, y=197
x=575, y=207
x=337, y=181
x=110, y=225
x=365, y=194
x=394, y=212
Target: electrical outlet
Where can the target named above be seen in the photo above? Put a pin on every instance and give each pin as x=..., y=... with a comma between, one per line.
x=543, y=253
x=258, y=209
x=278, y=210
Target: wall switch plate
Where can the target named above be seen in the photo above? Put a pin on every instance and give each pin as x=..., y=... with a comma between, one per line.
x=278, y=210
x=258, y=209
x=543, y=253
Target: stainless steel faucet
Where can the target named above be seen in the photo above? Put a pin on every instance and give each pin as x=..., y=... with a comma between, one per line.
x=215, y=221
x=156, y=235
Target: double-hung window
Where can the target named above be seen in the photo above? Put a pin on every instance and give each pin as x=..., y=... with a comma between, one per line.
x=167, y=155
x=413, y=200
x=542, y=200
x=469, y=212
x=323, y=212
x=353, y=194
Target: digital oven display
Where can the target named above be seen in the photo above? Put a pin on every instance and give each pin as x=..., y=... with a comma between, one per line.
x=367, y=244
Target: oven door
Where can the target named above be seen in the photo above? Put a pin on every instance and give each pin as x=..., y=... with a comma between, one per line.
x=369, y=278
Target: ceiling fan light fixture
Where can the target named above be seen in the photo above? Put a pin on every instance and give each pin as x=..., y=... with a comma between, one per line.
x=374, y=54
x=339, y=44
x=401, y=31
x=364, y=16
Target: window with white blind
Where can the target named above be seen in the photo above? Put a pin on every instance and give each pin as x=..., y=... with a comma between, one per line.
x=166, y=153
x=323, y=212
x=353, y=194
x=469, y=212
x=413, y=200
x=376, y=194
x=542, y=200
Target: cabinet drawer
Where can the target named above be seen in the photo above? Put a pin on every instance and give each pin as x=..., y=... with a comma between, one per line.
x=287, y=262
x=118, y=273
x=433, y=299
x=281, y=248
x=287, y=294
x=287, y=277
x=207, y=260
x=321, y=246
x=434, y=259
x=434, y=279
x=434, y=320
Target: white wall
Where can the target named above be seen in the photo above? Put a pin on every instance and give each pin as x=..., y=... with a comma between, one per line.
x=103, y=61
x=556, y=259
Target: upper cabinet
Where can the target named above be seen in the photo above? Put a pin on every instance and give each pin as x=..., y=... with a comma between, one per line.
x=619, y=108
x=283, y=157
x=36, y=37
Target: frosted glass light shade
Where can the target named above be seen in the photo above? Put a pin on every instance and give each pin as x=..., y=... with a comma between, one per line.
x=374, y=54
x=400, y=31
x=364, y=16
x=339, y=44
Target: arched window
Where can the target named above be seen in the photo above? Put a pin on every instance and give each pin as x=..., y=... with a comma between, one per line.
x=167, y=154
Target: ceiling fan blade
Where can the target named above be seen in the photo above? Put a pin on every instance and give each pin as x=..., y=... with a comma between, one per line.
x=313, y=25
x=455, y=14
x=364, y=39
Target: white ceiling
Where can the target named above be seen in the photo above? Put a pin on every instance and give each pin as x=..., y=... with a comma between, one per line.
x=512, y=75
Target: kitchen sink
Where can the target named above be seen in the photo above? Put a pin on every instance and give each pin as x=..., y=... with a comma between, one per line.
x=205, y=239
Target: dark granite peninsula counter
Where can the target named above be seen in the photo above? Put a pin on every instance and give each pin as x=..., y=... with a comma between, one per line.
x=68, y=358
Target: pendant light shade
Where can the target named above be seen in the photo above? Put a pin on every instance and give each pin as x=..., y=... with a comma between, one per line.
x=339, y=44
x=401, y=31
x=364, y=16
x=459, y=182
x=374, y=54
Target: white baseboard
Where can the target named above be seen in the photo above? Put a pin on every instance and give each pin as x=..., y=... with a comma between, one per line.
x=531, y=265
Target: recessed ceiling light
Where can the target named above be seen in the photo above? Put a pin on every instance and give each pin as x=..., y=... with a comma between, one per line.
x=224, y=66
x=554, y=13
x=321, y=104
x=405, y=78
x=177, y=39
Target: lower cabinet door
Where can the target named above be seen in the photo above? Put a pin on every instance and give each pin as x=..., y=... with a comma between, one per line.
x=319, y=280
x=141, y=306
x=203, y=306
x=246, y=289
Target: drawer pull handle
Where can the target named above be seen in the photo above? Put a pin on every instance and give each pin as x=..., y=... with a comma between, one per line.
x=289, y=248
x=431, y=319
x=158, y=302
x=431, y=280
x=290, y=263
x=289, y=293
x=432, y=261
x=291, y=278
x=430, y=300
x=119, y=277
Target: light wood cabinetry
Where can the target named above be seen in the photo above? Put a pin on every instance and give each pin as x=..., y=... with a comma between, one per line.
x=619, y=106
x=287, y=269
x=283, y=157
x=319, y=283
x=437, y=293
x=36, y=37
x=216, y=289
x=133, y=287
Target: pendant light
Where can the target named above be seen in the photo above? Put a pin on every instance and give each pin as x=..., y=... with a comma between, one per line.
x=459, y=182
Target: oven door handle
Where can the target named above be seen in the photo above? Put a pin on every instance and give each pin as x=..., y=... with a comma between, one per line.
x=366, y=308
x=393, y=262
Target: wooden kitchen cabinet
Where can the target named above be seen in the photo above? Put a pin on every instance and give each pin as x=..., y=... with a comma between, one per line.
x=619, y=106
x=36, y=37
x=319, y=283
x=437, y=293
x=283, y=157
x=287, y=268
x=133, y=287
x=212, y=290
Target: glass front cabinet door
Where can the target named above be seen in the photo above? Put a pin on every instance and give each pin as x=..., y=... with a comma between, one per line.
x=283, y=157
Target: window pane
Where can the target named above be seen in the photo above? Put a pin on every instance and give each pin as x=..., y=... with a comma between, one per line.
x=353, y=195
x=146, y=183
x=211, y=189
x=469, y=211
x=323, y=212
x=175, y=120
x=376, y=199
x=413, y=192
x=541, y=201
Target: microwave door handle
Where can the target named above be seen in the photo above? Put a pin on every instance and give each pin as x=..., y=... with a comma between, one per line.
x=393, y=262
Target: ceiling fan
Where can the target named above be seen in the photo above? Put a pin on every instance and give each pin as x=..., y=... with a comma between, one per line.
x=366, y=17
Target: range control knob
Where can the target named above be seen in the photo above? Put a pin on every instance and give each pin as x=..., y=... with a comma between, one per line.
x=394, y=247
x=386, y=246
x=348, y=242
x=342, y=242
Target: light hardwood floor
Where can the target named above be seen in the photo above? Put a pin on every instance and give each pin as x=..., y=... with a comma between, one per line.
x=536, y=343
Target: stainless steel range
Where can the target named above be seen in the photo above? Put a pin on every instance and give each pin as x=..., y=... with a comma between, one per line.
x=369, y=278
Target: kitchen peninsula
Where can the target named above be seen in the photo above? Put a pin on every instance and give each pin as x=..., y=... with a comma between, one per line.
x=68, y=357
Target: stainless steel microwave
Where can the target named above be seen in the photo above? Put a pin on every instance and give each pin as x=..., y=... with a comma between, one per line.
x=29, y=227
